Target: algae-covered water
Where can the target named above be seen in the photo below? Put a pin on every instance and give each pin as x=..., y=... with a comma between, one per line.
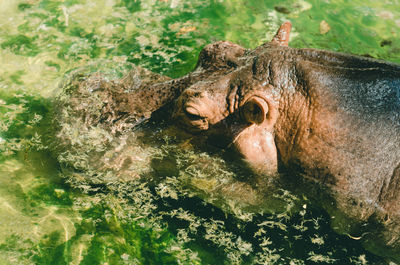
x=77, y=194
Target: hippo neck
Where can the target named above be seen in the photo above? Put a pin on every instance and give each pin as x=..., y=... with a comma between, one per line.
x=335, y=113
x=337, y=85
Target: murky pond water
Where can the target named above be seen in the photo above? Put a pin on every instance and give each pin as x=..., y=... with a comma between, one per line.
x=67, y=194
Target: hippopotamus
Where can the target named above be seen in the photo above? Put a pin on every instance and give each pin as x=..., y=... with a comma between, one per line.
x=333, y=117
x=329, y=117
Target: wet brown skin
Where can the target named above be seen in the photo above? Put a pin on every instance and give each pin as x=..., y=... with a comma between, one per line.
x=330, y=117
x=333, y=117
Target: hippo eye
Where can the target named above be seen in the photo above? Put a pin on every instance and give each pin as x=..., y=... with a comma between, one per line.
x=193, y=114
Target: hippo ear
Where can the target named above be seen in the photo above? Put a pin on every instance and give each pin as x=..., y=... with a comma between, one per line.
x=220, y=54
x=255, y=110
x=282, y=35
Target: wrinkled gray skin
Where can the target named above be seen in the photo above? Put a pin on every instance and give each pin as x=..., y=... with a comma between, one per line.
x=330, y=117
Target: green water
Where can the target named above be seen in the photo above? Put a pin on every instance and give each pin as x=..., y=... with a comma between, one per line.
x=174, y=204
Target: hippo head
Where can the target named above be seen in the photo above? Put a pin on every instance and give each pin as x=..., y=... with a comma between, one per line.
x=230, y=103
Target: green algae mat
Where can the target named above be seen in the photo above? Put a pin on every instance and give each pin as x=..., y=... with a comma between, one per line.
x=68, y=194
